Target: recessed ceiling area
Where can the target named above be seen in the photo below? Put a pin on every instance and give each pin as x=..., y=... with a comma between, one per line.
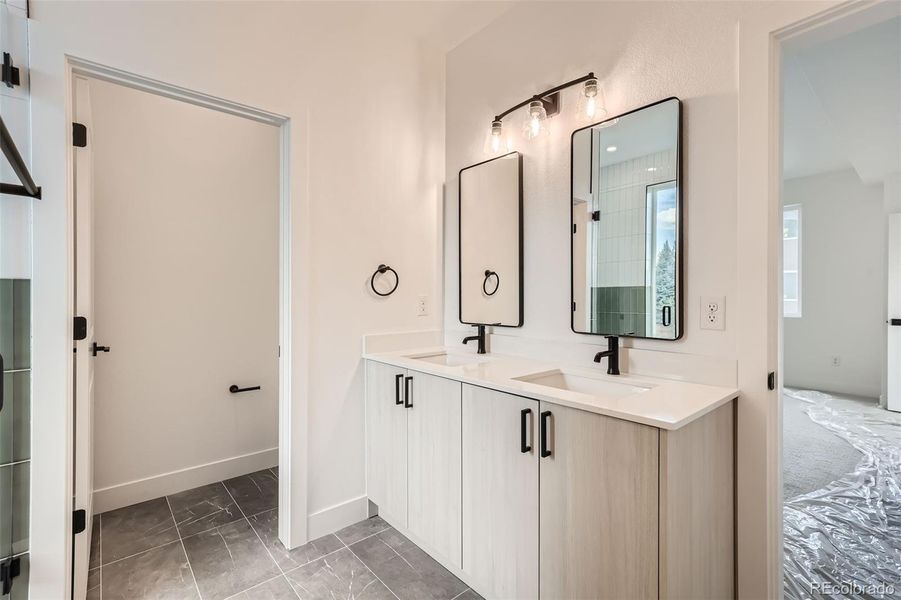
x=842, y=102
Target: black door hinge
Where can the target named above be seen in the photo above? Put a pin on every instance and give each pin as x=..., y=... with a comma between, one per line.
x=79, y=521
x=10, y=74
x=596, y=215
x=771, y=381
x=80, y=329
x=79, y=135
x=10, y=568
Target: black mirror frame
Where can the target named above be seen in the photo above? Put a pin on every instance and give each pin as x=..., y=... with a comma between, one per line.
x=680, y=310
x=460, y=241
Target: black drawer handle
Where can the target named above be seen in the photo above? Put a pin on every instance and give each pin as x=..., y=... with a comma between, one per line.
x=236, y=390
x=398, y=382
x=523, y=430
x=545, y=417
x=408, y=393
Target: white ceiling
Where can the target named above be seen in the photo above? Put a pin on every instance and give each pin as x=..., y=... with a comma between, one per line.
x=842, y=103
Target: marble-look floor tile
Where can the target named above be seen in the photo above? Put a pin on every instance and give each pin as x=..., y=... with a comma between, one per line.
x=338, y=576
x=356, y=532
x=94, y=559
x=228, y=560
x=274, y=470
x=162, y=573
x=406, y=569
x=266, y=525
x=254, y=493
x=127, y=531
x=274, y=589
x=94, y=584
x=469, y=594
x=203, y=508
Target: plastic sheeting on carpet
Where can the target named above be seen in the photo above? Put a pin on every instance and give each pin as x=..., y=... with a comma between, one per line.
x=844, y=541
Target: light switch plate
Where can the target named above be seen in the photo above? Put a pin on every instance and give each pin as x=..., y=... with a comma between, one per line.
x=713, y=312
x=422, y=306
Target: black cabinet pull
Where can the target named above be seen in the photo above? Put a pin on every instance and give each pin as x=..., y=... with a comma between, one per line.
x=523, y=430
x=408, y=393
x=237, y=390
x=545, y=417
x=398, y=381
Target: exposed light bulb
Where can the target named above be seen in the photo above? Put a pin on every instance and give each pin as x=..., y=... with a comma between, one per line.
x=535, y=122
x=611, y=148
x=589, y=106
x=496, y=132
x=652, y=169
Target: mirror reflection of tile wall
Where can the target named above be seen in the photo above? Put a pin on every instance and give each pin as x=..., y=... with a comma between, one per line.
x=15, y=426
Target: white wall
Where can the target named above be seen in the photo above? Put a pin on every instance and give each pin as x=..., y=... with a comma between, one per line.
x=843, y=286
x=640, y=52
x=186, y=205
x=364, y=96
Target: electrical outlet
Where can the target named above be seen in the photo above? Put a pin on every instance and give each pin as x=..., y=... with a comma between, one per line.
x=422, y=306
x=836, y=361
x=713, y=312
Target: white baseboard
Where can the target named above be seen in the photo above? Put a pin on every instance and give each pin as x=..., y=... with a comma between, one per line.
x=132, y=492
x=331, y=519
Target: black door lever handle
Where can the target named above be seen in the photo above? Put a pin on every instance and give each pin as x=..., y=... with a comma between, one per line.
x=95, y=349
x=236, y=390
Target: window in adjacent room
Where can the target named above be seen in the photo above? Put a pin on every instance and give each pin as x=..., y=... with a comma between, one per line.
x=791, y=260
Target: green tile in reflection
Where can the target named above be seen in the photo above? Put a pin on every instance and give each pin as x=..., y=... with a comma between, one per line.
x=15, y=323
x=15, y=418
x=14, y=490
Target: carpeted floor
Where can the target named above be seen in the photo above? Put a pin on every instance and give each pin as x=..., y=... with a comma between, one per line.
x=812, y=456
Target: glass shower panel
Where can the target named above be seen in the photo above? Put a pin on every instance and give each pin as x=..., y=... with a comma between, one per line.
x=15, y=441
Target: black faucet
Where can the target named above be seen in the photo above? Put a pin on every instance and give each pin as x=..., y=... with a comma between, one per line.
x=480, y=337
x=612, y=354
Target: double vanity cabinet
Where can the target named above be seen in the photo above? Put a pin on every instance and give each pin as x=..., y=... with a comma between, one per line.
x=528, y=491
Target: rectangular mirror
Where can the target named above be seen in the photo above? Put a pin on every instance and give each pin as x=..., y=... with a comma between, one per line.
x=626, y=224
x=491, y=242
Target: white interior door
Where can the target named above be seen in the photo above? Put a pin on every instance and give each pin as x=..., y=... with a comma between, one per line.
x=893, y=398
x=84, y=365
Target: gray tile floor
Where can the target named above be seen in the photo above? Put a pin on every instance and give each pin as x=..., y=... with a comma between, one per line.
x=221, y=541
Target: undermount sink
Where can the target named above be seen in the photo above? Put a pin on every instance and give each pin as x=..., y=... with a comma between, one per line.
x=451, y=360
x=593, y=386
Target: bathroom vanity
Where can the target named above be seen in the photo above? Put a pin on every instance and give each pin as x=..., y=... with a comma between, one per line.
x=531, y=480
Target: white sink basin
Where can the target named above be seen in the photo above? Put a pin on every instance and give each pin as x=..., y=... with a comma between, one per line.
x=451, y=360
x=593, y=386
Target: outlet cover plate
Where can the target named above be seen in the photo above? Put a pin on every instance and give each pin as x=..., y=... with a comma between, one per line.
x=713, y=312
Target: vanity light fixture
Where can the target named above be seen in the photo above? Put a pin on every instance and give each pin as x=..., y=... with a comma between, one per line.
x=541, y=107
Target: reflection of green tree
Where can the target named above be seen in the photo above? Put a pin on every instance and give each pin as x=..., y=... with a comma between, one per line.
x=665, y=278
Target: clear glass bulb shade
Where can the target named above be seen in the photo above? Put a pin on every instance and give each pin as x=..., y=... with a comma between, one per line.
x=590, y=108
x=535, y=124
x=497, y=140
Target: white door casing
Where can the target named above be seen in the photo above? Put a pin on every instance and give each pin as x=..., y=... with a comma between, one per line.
x=893, y=398
x=84, y=362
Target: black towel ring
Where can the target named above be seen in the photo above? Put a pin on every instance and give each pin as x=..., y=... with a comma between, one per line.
x=381, y=271
x=488, y=274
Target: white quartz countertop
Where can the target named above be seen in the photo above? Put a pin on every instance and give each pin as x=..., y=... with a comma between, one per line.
x=665, y=403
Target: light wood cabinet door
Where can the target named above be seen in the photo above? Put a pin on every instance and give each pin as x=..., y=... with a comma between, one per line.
x=500, y=494
x=599, y=494
x=434, y=465
x=386, y=441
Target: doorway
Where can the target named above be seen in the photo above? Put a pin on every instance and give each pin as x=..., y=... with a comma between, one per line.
x=180, y=278
x=841, y=156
